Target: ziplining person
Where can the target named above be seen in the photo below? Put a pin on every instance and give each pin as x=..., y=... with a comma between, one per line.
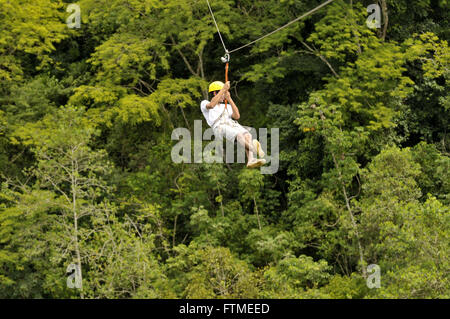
x=222, y=118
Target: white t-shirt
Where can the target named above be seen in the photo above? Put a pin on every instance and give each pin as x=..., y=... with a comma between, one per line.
x=211, y=115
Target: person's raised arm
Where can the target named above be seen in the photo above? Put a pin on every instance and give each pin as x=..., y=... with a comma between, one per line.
x=219, y=96
x=235, y=114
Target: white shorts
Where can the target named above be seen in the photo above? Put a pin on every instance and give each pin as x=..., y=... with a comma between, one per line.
x=228, y=129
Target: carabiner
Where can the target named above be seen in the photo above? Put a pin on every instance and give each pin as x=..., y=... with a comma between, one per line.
x=226, y=57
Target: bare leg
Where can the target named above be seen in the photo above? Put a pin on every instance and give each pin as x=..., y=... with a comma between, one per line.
x=247, y=142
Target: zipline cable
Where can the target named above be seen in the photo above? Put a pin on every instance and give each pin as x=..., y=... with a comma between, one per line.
x=270, y=33
x=217, y=27
x=284, y=26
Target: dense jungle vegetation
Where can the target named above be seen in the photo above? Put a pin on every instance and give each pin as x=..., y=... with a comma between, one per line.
x=86, y=116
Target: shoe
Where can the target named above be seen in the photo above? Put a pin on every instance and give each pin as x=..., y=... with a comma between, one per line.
x=258, y=148
x=256, y=163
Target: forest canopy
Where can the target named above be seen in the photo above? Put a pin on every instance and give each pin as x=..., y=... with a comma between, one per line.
x=87, y=178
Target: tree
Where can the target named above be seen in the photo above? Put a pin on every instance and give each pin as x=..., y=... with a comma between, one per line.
x=67, y=166
x=37, y=28
x=208, y=272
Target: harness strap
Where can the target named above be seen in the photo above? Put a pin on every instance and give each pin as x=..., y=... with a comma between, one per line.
x=226, y=102
x=221, y=115
x=226, y=80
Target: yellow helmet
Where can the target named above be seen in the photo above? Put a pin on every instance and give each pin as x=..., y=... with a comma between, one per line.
x=216, y=86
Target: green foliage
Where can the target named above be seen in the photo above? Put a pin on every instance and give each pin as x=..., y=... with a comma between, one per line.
x=434, y=177
x=345, y=287
x=208, y=272
x=87, y=178
x=342, y=33
x=416, y=252
x=28, y=29
x=293, y=275
x=125, y=58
